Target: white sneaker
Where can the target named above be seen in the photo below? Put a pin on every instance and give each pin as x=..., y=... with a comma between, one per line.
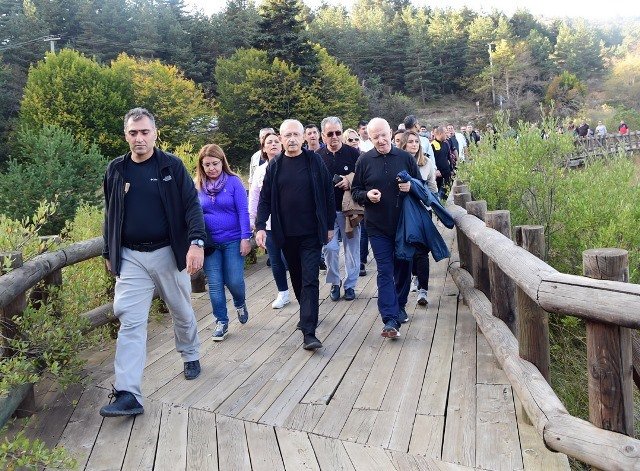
x=282, y=300
x=422, y=297
x=414, y=284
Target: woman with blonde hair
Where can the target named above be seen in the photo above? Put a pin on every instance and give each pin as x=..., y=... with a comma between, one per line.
x=226, y=217
x=410, y=142
x=351, y=138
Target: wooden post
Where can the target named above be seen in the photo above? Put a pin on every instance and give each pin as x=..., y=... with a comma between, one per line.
x=533, y=321
x=609, y=351
x=461, y=199
x=479, y=261
x=503, y=289
x=9, y=331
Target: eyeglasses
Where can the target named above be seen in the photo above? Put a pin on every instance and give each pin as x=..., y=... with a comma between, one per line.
x=353, y=139
x=334, y=133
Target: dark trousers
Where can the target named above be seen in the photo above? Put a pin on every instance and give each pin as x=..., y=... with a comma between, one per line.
x=364, y=243
x=421, y=266
x=303, y=256
x=394, y=278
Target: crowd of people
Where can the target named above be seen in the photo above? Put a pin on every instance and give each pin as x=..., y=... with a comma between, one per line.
x=311, y=191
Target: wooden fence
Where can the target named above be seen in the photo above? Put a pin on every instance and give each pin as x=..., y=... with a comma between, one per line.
x=510, y=292
x=602, y=146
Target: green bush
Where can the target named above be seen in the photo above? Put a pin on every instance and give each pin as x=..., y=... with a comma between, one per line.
x=50, y=163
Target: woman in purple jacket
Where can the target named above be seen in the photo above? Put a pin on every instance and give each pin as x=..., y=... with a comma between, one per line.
x=226, y=216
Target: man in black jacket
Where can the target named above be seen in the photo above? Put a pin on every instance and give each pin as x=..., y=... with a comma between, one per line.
x=375, y=187
x=153, y=230
x=298, y=195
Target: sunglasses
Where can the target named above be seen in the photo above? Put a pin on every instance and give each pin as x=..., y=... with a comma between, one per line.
x=334, y=133
x=351, y=139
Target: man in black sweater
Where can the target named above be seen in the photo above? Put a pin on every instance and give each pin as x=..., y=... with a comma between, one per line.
x=298, y=195
x=375, y=187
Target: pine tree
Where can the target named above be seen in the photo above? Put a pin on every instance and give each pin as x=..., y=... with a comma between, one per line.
x=282, y=35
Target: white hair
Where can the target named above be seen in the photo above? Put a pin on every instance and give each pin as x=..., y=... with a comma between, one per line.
x=287, y=122
x=378, y=121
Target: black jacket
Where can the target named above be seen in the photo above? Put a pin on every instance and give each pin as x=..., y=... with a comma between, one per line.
x=179, y=198
x=269, y=204
x=374, y=170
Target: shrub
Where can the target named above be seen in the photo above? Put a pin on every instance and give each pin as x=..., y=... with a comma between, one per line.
x=50, y=163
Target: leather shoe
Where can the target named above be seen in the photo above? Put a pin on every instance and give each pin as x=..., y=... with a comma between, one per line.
x=363, y=270
x=349, y=294
x=125, y=404
x=192, y=369
x=335, y=292
x=311, y=343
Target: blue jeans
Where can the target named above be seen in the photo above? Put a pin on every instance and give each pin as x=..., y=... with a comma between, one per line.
x=394, y=278
x=223, y=267
x=278, y=263
x=331, y=253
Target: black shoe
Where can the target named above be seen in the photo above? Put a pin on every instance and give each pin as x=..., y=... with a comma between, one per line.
x=125, y=404
x=403, y=317
x=311, y=342
x=322, y=265
x=390, y=331
x=268, y=262
x=192, y=369
x=363, y=270
x=349, y=294
x=335, y=292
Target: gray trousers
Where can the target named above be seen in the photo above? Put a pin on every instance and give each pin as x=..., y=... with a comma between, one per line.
x=140, y=274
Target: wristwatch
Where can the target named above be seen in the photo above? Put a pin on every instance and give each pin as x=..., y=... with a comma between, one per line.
x=198, y=242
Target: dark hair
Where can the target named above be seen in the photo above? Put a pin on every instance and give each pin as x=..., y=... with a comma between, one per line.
x=362, y=122
x=263, y=154
x=410, y=121
x=311, y=126
x=399, y=131
x=137, y=114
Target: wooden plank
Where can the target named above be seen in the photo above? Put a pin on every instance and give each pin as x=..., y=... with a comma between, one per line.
x=358, y=426
x=80, y=433
x=233, y=450
x=382, y=429
x=459, y=435
x=111, y=444
x=202, y=445
x=336, y=416
x=489, y=371
x=172, y=439
x=535, y=455
x=427, y=436
x=367, y=458
x=297, y=451
x=141, y=451
x=263, y=447
x=331, y=454
x=305, y=416
x=498, y=444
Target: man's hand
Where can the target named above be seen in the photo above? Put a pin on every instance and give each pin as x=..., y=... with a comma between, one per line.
x=261, y=239
x=329, y=236
x=438, y=174
x=374, y=195
x=343, y=184
x=195, y=259
x=404, y=186
x=245, y=247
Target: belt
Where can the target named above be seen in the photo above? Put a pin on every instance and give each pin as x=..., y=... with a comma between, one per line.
x=147, y=246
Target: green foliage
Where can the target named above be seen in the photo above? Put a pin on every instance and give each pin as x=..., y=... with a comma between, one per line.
x=577, y=50
x=392, y=107
x=22, y=235
x=579, y=209
x=567, y=93
x=74, y=92
x=50, y=163
x=255, y=92
x=23, y=453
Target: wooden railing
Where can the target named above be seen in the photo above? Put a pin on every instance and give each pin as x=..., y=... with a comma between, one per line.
x=601, y=146
x=510, y=292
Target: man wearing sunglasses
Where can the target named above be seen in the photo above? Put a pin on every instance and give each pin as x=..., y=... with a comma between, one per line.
x=340, y=160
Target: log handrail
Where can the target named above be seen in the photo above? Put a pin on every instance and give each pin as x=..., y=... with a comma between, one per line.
x=614, y=303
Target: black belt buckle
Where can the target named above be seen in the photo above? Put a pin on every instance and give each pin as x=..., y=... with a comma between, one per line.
x=147, y=246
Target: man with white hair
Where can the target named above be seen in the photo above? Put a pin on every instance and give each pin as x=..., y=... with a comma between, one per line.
x=375, y=187
x=298, y=195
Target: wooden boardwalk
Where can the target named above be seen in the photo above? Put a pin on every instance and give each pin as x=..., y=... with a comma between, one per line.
x=435, y=399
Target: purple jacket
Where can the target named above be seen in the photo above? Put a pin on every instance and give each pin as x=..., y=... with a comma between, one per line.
x=227, y=219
